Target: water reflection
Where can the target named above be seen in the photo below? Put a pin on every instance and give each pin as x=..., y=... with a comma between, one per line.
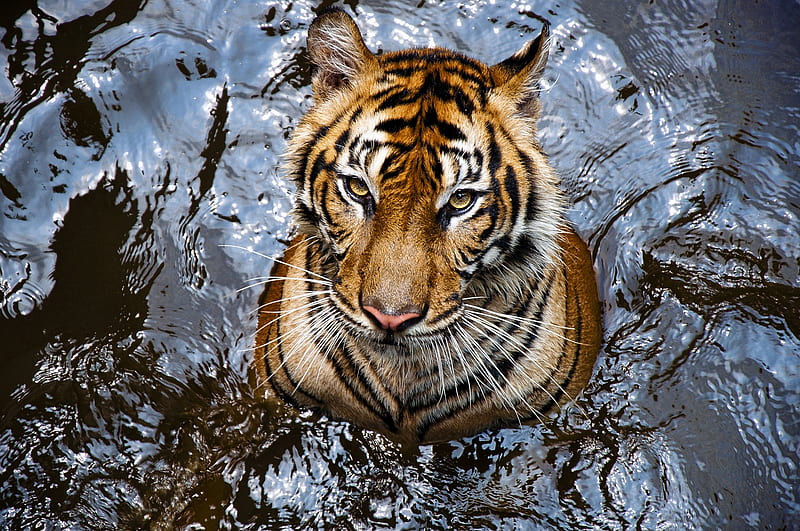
x=139, y=152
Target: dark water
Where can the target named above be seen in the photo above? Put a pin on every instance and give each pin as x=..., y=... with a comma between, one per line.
x=139, y=152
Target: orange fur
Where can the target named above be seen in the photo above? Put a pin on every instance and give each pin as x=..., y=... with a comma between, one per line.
x=434, y=288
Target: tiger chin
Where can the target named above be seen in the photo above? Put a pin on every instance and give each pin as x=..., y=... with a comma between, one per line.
x=433, y=288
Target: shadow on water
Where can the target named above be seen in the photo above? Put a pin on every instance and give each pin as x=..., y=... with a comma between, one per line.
x=90, y=298
x=139, y=153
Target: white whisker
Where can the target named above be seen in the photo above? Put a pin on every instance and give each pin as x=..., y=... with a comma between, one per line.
x=263, y=281
x=276, y=260
x=493, y=328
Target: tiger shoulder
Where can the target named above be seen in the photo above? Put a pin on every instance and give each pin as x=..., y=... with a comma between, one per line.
x=433, y=288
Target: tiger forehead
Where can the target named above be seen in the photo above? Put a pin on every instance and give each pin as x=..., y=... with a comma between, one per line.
x=433, y=76
x=416, y=124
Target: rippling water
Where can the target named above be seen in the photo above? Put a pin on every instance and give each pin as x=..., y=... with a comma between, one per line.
x=140, y=191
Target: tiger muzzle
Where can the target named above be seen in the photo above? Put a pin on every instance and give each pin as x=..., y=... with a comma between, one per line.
x=395, y=285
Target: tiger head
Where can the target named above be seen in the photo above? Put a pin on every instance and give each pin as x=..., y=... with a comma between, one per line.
x=419, y=174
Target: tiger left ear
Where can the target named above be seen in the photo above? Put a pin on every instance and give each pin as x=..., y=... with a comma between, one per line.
x=337, y=51
x=518, y=76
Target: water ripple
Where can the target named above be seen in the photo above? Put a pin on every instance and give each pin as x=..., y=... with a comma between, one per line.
x=141, y=141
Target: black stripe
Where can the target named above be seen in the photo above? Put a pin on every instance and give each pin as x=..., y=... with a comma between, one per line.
x=478, y=155
x=444, y=315
x=450, y=92
x=302, y=213
x=402, y=71
x=503, y=243
x=466, y=275
x=299, y=174
x=394, y=125
x=389, y=92
x=485, y=233
x=390, y=175
x=456, y=152
x=367, y=146
x=276, y=388
x=289, y=394
x=342, y=140
x=386, y=172
x=437, y=87
x=347, y=304
x=317, y=167
x=450, y=131
x=523, y=251
x=495, y=156
x=464, y=255
x=326, y=216
x=401, y=97
x=477, y=76
x=512, y=189
x=530, y=174
x=431, y=169
x=473, y=161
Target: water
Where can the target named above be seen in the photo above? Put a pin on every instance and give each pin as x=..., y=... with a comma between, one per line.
x=139, y=152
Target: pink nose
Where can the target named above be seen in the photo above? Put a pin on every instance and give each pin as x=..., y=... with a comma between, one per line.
x=392, y=322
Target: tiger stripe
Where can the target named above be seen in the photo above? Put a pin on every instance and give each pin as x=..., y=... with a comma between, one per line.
x=433, y=288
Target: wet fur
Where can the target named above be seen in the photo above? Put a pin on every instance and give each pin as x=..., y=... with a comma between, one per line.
x=508, y=325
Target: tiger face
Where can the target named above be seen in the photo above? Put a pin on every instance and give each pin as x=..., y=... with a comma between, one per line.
x=419, y=170
x=433, y=288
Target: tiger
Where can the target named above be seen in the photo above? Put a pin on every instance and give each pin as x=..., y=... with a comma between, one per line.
x=432, y=288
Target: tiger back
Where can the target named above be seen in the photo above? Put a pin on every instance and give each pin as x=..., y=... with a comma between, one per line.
x=433, y=288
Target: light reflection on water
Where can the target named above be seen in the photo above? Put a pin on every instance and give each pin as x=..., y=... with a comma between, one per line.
x=139, y=151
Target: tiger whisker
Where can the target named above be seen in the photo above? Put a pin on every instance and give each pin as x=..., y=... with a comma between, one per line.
x=283, y=313
x=462, y=359
x=495, y=329
x=514, y=391
x=304, y=295
x=278, y=261
x=545, y=326
x=326, y=344
x=306, y=338
x=287, y=335
x=263, y=281
x=442, y=346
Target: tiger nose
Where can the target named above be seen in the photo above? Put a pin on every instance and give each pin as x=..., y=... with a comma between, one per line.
x=395, y=322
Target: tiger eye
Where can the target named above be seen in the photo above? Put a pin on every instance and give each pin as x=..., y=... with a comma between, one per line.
x=357, y=187
x=461, y=199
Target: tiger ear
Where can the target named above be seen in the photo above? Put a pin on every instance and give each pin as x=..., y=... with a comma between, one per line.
x=518, y=77
x=337, y=51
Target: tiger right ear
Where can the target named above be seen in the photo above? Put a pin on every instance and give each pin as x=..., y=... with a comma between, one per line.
x=337, y=51
x=518, y=76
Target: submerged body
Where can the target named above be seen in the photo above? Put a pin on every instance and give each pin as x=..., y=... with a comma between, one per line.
x=434, y=288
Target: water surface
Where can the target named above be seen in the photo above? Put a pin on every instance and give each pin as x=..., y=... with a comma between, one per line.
x=140, y=192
